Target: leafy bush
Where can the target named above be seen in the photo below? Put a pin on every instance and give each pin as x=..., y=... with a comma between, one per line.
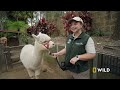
x=42, y=26
x=15, y=25
x=85, y=15
x=98, y=33
x=101, y=33
x=24, y=38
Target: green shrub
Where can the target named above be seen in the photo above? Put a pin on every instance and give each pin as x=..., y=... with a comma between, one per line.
x=100, y=33
x=15, y=25
x=24, y=38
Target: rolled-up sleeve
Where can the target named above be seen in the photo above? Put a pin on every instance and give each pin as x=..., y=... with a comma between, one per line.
x=90, y=46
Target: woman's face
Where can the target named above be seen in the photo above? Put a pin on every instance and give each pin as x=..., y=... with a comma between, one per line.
x=75, y=26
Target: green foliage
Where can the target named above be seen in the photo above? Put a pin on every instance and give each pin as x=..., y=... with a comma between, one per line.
x=20, y=15
x=24, y=38
x=2, y=34
x=15, y=25
x=97, y=33
x=8, y=35
x=100, y=33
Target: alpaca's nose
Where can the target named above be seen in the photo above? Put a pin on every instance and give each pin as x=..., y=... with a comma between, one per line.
x=53, y=44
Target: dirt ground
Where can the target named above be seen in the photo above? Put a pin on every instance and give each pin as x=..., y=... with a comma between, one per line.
x=53, y=71
x=19, y=72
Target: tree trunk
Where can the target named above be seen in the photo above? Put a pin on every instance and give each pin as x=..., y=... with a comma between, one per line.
x=3, y=17
x=1, y=26
x=116, y=32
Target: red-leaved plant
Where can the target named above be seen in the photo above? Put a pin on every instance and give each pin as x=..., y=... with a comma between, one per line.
x=85, y=15
x=42, y=26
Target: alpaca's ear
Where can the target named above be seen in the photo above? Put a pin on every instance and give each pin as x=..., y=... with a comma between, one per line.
x=34, y=36
x=40, y=33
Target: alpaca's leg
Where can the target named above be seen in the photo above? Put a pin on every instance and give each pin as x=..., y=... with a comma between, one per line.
x=31, y=73
x=43, y=69
x=37, y=73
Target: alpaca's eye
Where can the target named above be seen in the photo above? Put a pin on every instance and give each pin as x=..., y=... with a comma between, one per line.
x=45, y=41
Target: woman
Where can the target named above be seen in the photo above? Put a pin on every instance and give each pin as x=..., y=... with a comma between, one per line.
x=78, y=51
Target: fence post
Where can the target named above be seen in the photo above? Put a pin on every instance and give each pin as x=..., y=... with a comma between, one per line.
x=94, y=68
x=2, y=59
x=8, y=56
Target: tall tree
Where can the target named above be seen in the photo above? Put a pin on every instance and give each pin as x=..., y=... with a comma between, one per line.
x=21, y=15
x=116, y=32
x=3, y=18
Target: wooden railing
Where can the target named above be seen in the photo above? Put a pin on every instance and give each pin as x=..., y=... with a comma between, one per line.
x=105, y=61
x=9, y=56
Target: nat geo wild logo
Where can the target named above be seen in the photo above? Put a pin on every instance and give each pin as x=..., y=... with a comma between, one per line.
x=94, y=69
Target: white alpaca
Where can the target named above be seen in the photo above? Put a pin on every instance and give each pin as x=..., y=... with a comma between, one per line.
x=32, y=56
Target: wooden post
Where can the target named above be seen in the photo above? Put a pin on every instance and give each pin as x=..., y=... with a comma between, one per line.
x=2, y=59
x=8, y=56
x=94, y=68
x=57, y=49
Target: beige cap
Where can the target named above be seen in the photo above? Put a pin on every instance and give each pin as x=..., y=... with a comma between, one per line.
x=78, y=19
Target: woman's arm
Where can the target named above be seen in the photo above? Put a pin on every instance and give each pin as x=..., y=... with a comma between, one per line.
x=61, y=52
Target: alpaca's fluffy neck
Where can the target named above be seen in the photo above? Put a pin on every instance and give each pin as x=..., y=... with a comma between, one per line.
x=38, y=50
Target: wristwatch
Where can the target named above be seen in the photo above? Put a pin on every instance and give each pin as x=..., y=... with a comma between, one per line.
x=77, y=57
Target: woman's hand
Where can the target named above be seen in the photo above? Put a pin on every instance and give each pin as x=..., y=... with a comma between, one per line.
x=74, y=60
x=54, y=55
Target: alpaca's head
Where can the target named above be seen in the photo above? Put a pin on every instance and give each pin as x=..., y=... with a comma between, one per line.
x=44, y=41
